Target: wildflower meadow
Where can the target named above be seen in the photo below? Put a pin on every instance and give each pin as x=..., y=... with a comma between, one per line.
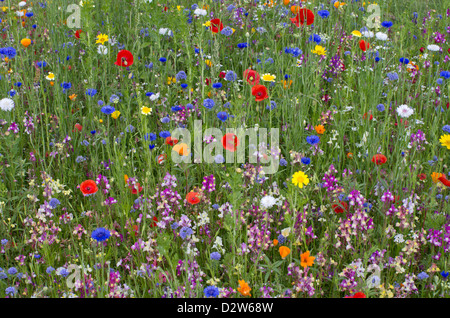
x=224, y=149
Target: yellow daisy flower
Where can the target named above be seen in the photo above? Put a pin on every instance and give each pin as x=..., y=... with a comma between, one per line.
x=300, y=179
x=319, y=50
x=268, y=77
x=102, y=38
x=146, y=110
x=445, y=141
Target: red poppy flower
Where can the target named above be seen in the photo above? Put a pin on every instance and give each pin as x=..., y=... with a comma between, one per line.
x=216, y=25
x=251, y=77
x=363, y=45
x=124, y=58
x=444, y=180
x=222, y=74
x=207, y=81
x=193, y=197
x=340, y=207
x=422, y=176
x=88, y=187
x=260, y=92
x=365, y=116
x=379, y=159
x=302, y=15
x=155, y=219
x=78, y=127
x=357, y=295
x=171, y=141
x=135, y=189
x=230, y=142
x=77, y=33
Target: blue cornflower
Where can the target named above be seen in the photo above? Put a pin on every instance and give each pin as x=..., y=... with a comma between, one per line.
x=444, y=274
x=227, y=31
x=41, y=64
x=189, y=106
x=12, y=271
x=108, y=110
x=3, y=275
x=80, y=159
x=306, y=160
x=164, y=134
x=223, y=116
x=439, y=81
x=10, y=52
x=312, y=140
x=184, y=85
x=445, y=74
x=211, y=291
x=174, y=225
x=283, y=162
x=217, y=85
x=423, y=276
x=101, y=234
x=10, y=291
x=230, y=76
x=315, y=38
x=281, y=239
x=272, y=105
x=165, y=120
x=114, y=99
x=162, y=59
x=4, y=241
x=215, y=256
x=404, y=60
x=49, y=270
x=387, y=24
x=65, y=86
x=446, y=128
x=323, y=14
x=380, y=107
x=54, y=202
x=208, y=103
x=176, y=108
x=392, y=76
x=185, y=232
x=242, y=45
x=181, y=75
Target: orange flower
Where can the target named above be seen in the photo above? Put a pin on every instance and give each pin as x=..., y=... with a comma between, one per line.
x=435, y=176
x=244, y=289
x=25, y=42
x=275, y=242
x=319, y=129
x=306, y=260
x=287, y=84
x=284, y=251
x=350, y=155
x=181, y=149
x=73, y=96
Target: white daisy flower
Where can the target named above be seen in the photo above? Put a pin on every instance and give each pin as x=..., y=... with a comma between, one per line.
x=102, y=50
x=404, y=111
x=433, y=47
x=381, y=36
x=200, y=12
x=6, y=104
x=367, y=34
x=268, y=201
